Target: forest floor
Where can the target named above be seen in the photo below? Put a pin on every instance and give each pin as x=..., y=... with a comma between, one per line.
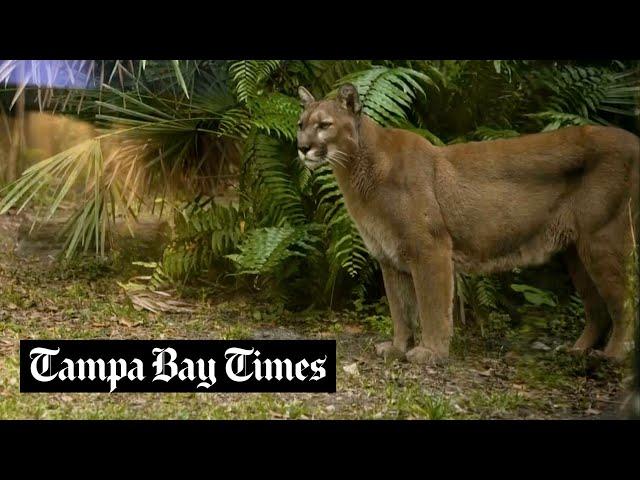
x=486, y=378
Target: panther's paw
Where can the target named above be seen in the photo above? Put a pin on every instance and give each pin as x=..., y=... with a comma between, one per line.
x=598, y=357
x=577, y=351
x=424, y=356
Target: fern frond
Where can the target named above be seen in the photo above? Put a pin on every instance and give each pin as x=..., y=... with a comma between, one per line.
x=387, y=93
x=487, y=133
x=587, y=91
x=325, y=74
x=204, y=233
x=276, y=114
x=346, y=251
x=553, y=120
x=479, y=292
x=248, y=75
x=266, y=249
x=275, y=195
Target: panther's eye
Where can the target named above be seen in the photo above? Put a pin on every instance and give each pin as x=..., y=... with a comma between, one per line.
x=324, y=125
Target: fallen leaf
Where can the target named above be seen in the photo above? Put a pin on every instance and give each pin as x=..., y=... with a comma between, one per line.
x=353, y=328
x=540, y=346
x=351, y=369
x=458, y=408
x=156, y=301
x=592, y=411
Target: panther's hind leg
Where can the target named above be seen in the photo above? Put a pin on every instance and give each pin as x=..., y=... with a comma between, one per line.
x=597, y=318
x=605, y=256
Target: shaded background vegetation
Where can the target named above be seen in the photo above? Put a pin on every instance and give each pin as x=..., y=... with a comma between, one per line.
x=211, y=145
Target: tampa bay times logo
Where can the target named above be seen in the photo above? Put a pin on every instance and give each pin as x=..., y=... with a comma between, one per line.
x=177, y=366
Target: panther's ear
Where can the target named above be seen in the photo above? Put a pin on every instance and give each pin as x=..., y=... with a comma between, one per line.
x=305, y=96
x=348, y=97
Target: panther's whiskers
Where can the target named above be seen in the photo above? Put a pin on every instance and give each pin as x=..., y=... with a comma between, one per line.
x=338, y=157
x=337, y=161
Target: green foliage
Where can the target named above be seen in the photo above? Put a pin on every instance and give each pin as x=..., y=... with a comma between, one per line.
x=248, y=76
x=270, y=184
x=204, y=234
x=587, y=91
x=497, y=325
x=479, y=292
x=266, y=249
x=375, y=315
x=277, y=115
x=345, y=250
x=388, y=93
x=487, y=133
x=534, y=295
x=411, y=401
x=322, y=76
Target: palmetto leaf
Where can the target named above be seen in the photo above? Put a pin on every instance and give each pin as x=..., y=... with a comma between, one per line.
x=176, y=67
x=86, y=164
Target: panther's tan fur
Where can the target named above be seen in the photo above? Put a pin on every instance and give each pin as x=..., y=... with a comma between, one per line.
x=424, y=210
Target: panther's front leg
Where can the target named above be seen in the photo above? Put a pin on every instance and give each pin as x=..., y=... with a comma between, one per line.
x=402, y=303
x=432, y=273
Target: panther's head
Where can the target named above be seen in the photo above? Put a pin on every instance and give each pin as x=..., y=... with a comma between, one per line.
x=328, y=129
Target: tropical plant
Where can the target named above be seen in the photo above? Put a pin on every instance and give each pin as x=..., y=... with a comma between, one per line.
x=194, y=133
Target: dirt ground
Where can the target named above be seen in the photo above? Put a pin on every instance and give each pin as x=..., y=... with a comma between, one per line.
x=486, y=378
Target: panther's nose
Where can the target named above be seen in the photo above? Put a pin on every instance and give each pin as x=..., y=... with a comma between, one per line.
x=304, y=148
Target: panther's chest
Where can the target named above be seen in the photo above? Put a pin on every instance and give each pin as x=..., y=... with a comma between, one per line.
x=382, y=242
